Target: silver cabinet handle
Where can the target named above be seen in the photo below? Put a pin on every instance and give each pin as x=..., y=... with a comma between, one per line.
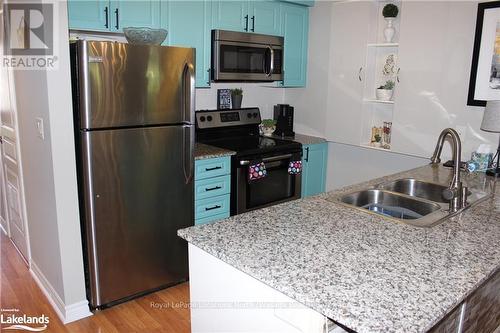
x=359, y=74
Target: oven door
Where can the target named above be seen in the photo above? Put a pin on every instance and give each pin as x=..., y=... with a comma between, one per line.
x=242, y=61
x=278, y=186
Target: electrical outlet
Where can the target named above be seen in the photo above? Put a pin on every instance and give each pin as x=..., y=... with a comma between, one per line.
x=39, y=128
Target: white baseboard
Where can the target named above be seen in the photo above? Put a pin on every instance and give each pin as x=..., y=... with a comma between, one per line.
x=67, y=313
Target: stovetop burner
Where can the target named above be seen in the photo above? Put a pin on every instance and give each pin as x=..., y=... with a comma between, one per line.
x=246, y=145
x=238, y=130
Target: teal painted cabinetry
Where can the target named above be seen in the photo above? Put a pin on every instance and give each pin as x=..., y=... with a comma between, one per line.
x=212, y=188
x=314, y=160
x=247, y=16
x=264, y=17
x=189, y=24
x=89, y=15
x=114, y=15
x=138, y=13
x=295, y=29
x=230, y=15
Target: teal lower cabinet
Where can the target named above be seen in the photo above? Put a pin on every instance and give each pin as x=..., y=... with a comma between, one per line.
x=314, y=161
x=212, y=189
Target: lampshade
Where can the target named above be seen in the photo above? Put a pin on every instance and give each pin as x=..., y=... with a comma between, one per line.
x=491, y=117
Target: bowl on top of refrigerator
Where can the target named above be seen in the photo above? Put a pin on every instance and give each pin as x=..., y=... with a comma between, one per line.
x=145, y=36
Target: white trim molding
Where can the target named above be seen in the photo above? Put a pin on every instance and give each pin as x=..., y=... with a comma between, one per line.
x=67, y=313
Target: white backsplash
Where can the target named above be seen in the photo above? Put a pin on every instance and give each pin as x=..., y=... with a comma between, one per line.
x=261, y=95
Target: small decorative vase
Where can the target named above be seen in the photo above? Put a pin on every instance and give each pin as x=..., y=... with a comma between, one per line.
x=236, y=101
x=268, y=131
x=384, y=94
x=389, y=30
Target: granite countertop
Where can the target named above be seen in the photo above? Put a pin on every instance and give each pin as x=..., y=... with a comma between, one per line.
x=363, y=271
x=301, y=138
x=202, y=151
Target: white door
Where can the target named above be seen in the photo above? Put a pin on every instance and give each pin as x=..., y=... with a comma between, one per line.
x=11, y=186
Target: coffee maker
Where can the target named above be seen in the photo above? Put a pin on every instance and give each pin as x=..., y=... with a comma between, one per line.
x=283, y=114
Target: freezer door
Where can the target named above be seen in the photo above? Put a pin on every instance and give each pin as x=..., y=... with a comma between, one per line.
x=131, y=85
x=138, y=193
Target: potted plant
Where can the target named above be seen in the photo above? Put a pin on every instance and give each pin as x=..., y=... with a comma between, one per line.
x=390, y=12
x=236, y=98
x=268, y=126
x=385, y=92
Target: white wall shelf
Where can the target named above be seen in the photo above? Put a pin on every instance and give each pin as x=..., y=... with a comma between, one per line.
x=368, y=145
x=383, y=45
x=367, y=100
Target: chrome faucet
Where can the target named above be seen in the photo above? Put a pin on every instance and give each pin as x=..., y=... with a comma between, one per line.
x=456, y=193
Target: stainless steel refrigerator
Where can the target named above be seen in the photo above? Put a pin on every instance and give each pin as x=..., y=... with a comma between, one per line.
x=134, y=109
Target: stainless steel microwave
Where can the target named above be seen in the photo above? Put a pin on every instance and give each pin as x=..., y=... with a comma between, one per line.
x=240, y=56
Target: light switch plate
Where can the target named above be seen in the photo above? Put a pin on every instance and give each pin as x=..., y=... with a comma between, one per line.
x=39, y=128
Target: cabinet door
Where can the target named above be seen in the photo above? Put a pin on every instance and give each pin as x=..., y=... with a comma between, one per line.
x=347, y=60
x=314, y=170
x=295, y=27
x=188, y=24
x=264, y=17
x=89, y=15
x=230, y=15
x=143, y=13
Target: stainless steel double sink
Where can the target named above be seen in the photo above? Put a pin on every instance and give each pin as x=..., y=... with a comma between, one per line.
x=408, y=200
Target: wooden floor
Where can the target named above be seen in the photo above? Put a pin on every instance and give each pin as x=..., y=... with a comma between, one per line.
x=19, y=290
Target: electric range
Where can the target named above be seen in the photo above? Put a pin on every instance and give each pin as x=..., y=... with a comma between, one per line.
x=238, y=130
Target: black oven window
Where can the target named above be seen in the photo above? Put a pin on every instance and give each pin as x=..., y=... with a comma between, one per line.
x=278, y=185
x=242, y=59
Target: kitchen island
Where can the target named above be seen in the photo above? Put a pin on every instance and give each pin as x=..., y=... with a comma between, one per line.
x=363, y=271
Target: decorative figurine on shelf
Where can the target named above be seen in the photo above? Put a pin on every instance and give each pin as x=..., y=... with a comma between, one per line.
x=236, y=97
x=390, y=12
x=386, y=137
x=385, y=92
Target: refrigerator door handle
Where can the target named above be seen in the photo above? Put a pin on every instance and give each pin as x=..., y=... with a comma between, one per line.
x=188, y=153
x=188, y=93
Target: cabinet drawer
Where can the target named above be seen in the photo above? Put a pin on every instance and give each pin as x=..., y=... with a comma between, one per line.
x=212, y=167
x=211, y=206
x=211, y=219
x=212, y=187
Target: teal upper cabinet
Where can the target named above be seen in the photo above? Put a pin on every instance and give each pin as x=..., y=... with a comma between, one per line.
x=295, y=29
x=264, y=17
x=188, y=24
x=105, y=15
x=89, y=15
x=247, y=16
x=139, y=13
x=314, y=159
x=230, y=15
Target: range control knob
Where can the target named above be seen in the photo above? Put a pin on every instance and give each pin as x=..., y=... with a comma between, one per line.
x=202, y=118
x=255, y=114
x=209, y=118
x=249, y=115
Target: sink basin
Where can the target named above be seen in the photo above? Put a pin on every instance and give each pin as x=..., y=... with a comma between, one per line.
x=390, y=204
x=408, y=201
x=417, y=188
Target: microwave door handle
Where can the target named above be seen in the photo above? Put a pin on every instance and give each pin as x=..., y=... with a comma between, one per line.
x=271, y=60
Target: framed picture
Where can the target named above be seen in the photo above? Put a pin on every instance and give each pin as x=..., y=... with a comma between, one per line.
x=223, y=99
x=484, y=81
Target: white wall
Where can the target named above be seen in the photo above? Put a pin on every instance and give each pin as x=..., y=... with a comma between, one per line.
x=261, y=95
x=352, y=164
x=49, y=173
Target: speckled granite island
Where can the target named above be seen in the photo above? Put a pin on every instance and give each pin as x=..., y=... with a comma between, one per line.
x=363, y=271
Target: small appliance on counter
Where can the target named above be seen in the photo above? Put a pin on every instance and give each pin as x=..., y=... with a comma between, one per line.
x=283, y=114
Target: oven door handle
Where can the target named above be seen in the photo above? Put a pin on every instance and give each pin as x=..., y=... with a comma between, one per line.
x=268, y=159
